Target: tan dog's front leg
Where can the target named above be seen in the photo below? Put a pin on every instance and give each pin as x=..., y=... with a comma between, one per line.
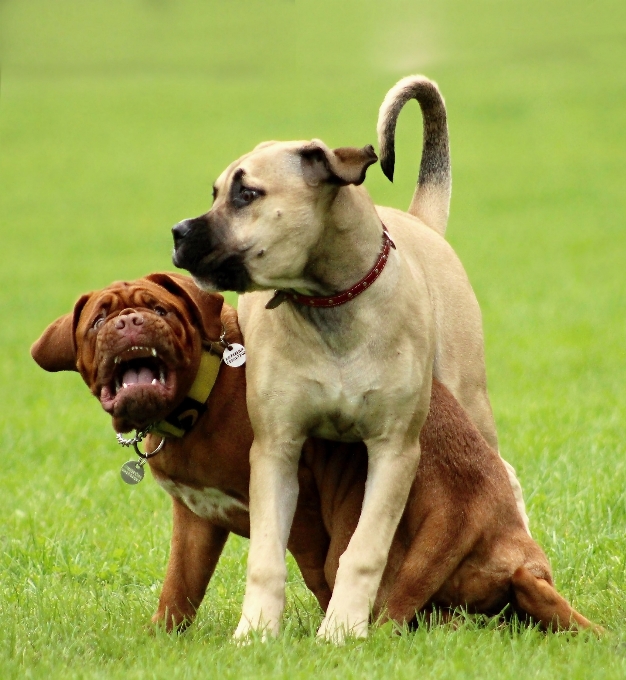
x=196, y=547
x=273, y=498
x=391, y=471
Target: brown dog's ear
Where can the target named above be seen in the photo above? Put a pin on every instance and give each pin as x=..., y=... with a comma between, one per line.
x=56, y=348
x=346, y=165
x=206, y=307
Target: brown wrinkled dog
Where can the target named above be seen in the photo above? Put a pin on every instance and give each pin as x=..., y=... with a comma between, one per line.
x=461, y=540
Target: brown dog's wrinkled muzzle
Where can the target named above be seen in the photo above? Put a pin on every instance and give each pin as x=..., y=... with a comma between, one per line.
x=138, y=353
x=137, y=364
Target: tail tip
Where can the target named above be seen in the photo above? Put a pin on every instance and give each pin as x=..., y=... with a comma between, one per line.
x=388, y=165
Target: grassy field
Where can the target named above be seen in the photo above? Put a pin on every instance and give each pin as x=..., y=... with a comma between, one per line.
x=114, y=120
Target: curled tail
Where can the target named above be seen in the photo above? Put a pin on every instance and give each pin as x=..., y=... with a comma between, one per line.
x=431, y=200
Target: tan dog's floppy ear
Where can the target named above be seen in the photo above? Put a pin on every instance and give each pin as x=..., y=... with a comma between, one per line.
x=56, y=348
x=346, y=165
x=206, y=307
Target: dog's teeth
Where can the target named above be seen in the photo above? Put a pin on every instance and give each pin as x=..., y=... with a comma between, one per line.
x=161, y=376
x=154, y=381
x=116, y=360
x=124, y=385
x=154, y=352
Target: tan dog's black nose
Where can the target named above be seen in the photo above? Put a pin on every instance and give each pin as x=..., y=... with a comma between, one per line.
x=181, y=230
x=128, y=319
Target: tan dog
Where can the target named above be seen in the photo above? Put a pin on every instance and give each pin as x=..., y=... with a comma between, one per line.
x=293, y=217
x=460, y=542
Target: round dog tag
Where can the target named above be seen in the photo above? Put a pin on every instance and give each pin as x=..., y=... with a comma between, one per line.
x=234, y=355
x=132, y=472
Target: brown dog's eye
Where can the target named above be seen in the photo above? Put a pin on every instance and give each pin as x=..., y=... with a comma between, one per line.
x=98, y=321
x=161, y=311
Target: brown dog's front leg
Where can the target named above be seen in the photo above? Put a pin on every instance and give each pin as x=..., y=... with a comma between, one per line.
x=196, y=547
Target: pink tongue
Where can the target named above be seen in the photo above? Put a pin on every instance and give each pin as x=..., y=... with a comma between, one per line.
x=132, y=377
x=145, y=376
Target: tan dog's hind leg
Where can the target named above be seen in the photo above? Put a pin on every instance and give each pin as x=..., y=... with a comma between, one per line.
x=517, y=492
x=196, y=547
x=391, y=471
x=539, y=599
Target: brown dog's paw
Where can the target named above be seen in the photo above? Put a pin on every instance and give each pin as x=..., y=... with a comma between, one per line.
x=170, y=622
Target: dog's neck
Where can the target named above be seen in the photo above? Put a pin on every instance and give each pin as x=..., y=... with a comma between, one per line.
x=182, y=419
x=349, y=246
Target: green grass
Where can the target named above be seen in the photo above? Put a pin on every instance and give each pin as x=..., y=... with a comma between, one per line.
x=114, y=120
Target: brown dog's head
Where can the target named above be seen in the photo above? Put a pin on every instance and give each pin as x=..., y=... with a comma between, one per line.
x=269, y=212
x=137, y=344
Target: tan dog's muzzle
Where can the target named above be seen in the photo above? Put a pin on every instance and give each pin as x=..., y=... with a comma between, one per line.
x=199, y=248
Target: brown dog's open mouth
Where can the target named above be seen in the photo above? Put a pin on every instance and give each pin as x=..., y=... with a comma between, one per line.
x=138, y=366
x=140, y=386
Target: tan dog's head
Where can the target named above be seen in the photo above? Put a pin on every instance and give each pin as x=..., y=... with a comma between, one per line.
x=268, y=213
x=137, y=345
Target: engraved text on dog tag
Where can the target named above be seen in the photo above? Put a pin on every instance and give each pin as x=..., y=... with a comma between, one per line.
x=132, y=472
x=234, y=355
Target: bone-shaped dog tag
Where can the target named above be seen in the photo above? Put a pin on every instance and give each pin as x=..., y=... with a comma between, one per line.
x=132, y=472
x=234, y=355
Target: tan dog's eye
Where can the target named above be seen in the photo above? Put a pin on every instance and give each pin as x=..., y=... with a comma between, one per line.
x=248, y=195
x=245, y=195
x=161, y=311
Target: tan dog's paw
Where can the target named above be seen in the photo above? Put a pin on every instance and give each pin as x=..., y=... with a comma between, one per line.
x=339, y=627
x=247, y=631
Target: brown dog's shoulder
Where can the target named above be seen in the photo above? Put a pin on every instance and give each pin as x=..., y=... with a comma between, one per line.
x=230, y=323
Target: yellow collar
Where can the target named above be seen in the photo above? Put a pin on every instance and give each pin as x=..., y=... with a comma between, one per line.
x=185, y=415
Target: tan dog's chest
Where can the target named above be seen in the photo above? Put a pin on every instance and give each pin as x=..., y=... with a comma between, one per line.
x=348, y=390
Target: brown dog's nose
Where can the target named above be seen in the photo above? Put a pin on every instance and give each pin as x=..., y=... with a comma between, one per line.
x=127, y=319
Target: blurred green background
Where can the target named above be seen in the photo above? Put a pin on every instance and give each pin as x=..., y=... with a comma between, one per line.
x=116, y=117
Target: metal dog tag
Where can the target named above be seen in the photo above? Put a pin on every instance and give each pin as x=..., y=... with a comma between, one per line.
x=234, y=355
x=132, y=472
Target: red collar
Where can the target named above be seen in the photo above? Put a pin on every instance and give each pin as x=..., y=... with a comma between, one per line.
x=338, y=298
